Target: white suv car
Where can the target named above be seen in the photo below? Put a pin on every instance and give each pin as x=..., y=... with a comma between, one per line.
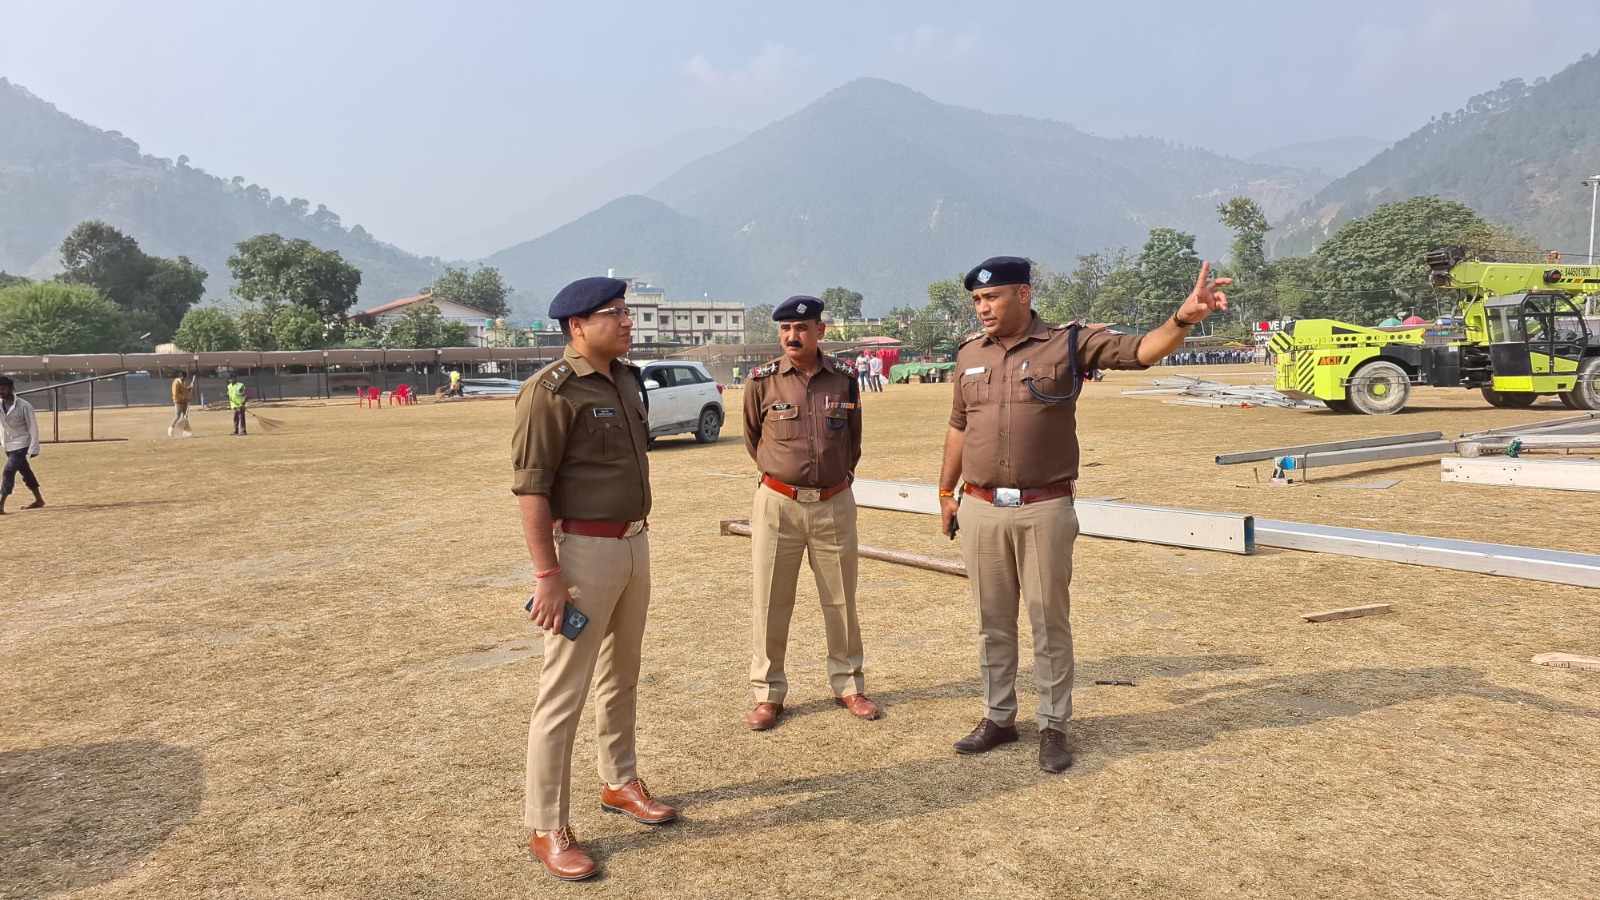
x=683, y=400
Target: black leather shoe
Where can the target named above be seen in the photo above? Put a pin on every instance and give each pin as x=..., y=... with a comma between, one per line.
x=1054, y=754
x=986, y=737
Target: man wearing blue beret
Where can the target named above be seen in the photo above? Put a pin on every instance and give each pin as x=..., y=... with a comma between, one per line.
x=802, y=426
x=1013, y=439
x=583, y=483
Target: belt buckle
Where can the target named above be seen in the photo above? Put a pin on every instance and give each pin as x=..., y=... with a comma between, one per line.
x=633, y=528
x=807, y=495
x=1008, y=496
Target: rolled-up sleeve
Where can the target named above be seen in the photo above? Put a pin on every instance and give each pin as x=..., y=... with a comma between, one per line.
x=1099, y=348
x=538, y=438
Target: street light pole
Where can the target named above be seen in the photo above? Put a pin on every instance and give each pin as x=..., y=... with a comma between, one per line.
x=1594, y=200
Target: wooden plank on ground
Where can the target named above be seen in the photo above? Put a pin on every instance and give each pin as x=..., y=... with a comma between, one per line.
x=1568, y=661
x=1348, y=612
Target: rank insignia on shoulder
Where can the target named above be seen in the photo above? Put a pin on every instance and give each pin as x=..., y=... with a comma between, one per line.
x=604, y=412
x=764, y=371
x=549, y=386
x=970, y=338
x=843, y=366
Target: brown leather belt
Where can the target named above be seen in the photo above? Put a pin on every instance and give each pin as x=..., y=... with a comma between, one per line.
x=804, y=495
x=1020, y=496
x=599, y=529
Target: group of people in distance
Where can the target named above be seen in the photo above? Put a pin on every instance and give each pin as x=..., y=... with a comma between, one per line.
x=1009, y=463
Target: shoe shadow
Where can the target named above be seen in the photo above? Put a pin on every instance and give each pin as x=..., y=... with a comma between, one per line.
x=76, y=816
x=948, y=781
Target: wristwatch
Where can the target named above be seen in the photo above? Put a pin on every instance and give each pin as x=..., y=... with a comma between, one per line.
x=1181, y=323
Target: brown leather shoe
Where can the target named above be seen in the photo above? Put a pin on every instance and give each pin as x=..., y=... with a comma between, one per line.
x=561, y=855
x=986, y=737
x=859, y=706
x=1054, y=754
x=764, y=716
x=634, y=799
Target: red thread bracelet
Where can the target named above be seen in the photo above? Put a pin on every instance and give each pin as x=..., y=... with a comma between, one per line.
x=548, y=572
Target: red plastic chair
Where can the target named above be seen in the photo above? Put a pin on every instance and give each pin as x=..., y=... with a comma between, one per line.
x=370, y=397
x=402, y=395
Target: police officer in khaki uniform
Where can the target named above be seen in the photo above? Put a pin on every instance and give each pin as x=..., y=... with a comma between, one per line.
x=583, y=483
x=802, y=426
x=1013, y=440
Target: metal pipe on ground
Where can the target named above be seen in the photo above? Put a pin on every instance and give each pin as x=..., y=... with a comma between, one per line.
x=1364, y=454
x=1582, y=418
x=741, y=527
x=1244, y=456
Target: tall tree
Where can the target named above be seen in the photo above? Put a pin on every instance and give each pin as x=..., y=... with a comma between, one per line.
x=949, y=300
x=842, y=302
x=270, y=269
x=758, y=325
x=1374, y=265
x=153, y=292
x=40, y=319
x=1167, y=267
x=483, y=289
x=1247, y=254
x=421, y=325
x=207, y=329
x=296, y=328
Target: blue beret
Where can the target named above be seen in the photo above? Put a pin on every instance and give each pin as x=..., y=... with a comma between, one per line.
x=998, y=270
x=586, y=295
x=797, y=308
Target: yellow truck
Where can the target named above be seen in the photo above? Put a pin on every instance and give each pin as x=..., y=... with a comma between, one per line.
x=1524, y=338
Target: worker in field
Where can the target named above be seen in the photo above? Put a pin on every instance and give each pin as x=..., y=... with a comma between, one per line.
x=582, y=481
x=182, y=391
x=1012, y=453
x=237, y=396
x=455, y=384
x=802, y=426
x=19, y=435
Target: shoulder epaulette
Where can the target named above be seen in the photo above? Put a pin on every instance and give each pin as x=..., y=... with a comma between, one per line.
x=968, y=339
x=765, y=370
x=843, y=367
x=551, y=377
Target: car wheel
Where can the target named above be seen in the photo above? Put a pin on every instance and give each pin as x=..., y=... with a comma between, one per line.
x=710, y=426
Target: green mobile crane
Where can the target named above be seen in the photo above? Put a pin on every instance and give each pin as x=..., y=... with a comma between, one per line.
x=1524, y=337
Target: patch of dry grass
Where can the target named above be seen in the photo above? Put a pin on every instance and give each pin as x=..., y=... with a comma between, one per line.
x=295, y=665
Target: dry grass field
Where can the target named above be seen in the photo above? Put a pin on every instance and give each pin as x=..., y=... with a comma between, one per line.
x=296, y=665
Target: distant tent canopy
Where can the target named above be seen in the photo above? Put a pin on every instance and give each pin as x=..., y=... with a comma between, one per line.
x=1390, y=322
x=1414, y=320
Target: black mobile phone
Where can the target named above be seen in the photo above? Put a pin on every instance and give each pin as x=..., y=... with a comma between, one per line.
x=955, y=526
x=572, y=620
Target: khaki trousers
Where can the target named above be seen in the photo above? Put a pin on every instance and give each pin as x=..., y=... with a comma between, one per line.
x=781, y=530
x=613, y=580
x=1022, y=553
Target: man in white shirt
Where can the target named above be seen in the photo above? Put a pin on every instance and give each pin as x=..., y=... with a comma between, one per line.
x=19, y=435
x=875, y=366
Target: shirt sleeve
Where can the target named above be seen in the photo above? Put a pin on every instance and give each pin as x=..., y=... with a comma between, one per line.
x=1100, y=348
x=958, y=410
x=854, y=393
x=538, y=438
x=33, y=430
x=752, y=416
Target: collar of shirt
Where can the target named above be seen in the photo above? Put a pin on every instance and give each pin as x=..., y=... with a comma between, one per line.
x=581, y=365
x=785, y=364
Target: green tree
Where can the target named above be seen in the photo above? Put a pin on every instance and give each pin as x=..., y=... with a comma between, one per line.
x=421, y=325
x=296, y=328
x=951, y=301
x=255, y=326
x=454, y=334
x=931, y=332
x=1247, y=254
x=483, y=289
x=9, y=280
x=1373, y=265
x=355, y=336
x=1167, y=268
x=842, y=302
x=207, y=329
x=271, y=270
x=1117, y=299
x=40, y=319
x=758, y=325
x=153, y=292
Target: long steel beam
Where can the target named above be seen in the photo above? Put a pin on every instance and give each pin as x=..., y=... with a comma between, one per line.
x=1244, y=456
x=1554, y=474
x=1533, y=426
x=1195, y=529
x=1537, y=564
x=1367, y=454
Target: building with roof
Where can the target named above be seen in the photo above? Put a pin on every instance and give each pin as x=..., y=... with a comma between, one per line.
x=478, y=322
x=657, y=320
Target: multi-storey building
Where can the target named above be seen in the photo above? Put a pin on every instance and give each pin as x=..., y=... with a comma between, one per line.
x=657, y=320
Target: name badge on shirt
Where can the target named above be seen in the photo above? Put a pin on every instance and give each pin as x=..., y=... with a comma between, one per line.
x=604, y=412
x=975, y=370
x=783, y=406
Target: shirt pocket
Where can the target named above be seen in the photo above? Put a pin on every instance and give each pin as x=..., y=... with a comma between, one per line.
x=785, y=424
x=975, y=388
x=606, y=436
x=1044, y=381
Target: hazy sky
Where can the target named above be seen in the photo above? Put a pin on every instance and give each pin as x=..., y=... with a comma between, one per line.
x=424, y=121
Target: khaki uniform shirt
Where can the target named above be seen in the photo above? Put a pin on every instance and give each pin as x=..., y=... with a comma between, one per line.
x=805, y=432
x=580, y=439
x=1012, y=438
